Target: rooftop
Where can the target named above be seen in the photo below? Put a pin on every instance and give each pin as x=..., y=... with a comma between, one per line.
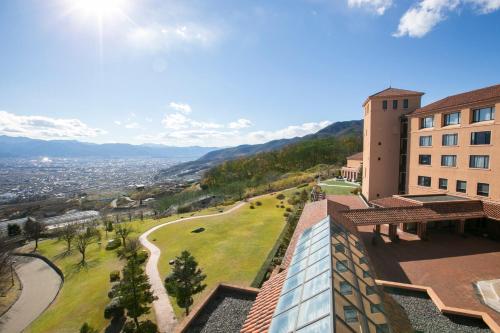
x=393, y=92
x=356, y=157
x=463, y=99
x=435, y=198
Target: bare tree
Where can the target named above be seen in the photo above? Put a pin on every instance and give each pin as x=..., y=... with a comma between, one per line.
x=33, y=230
x=84, y=239
x=123, y=231
x=68, y=234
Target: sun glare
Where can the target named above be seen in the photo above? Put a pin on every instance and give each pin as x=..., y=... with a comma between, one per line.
x=98, y=8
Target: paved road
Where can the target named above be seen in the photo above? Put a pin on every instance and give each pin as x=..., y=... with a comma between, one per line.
x=165, y=317
x=40, y=287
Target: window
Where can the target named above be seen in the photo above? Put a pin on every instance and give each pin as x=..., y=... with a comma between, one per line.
x=424, y=159
x=424, y=181
x=427, y=122
x=350, y=314
x=461, y=186
x=382, y=328
x=384, y=105
x=426, y=141
x=370, y=290
x=483, y=114
x=479, y=161
x=339, y=248
x=395, y=104
x=483, y=189
x=341, y=266
x=366, y=274
x=449, y=160
x=375, y=308
x=450, y=139
x=345, y=288
x=451, y=119
x=405, y=103
x=363, y=260
x=443, y=183
x=480, y=138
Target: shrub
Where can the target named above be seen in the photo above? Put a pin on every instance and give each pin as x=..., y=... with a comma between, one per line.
x=86, y=328
x=288, y=209
x=114, y=276
x=252, y=207
x=129, y=327
x=277, y=206
x=113, y=244
x=13, y=230
x=184, y=209
x=114, y=290
x=258, y=203
x=280, y=196
x=286, y=214
x=282, y=206
x=148, y=327
x=355, y=191
x=142, y=256
x=114, y=309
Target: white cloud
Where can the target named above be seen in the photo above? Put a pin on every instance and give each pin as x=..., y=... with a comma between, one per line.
x=229, y=137
x=40, y=127
x=175, y=121
x=181, y=107
x=240, y=123
x=378, y=6
x=132, y=125
x=423, y=17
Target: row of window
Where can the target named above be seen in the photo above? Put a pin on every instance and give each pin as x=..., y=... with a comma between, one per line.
x=476, y=138
x=453, y=118
x=482, y=189
x=475, y=161
x=395, y=104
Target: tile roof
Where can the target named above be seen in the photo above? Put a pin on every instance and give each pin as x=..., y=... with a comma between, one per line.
x=474, y=96
x=396, y=92
x=394, y=202
x=492, y=210
x=357, y=156
x=261, y=313
x=351, y=201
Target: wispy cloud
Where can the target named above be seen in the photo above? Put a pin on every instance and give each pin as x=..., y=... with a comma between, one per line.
x=181, y=107
x=40, y=127
x=229, y=136
x=240, y=123
x=377, y=6
x=420, y=19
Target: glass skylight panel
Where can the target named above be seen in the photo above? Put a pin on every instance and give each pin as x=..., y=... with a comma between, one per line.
x=288, y=300
x=305, y=236
x=323, y=252
x=297, y=267
x=318, y=267
x=314, y=308
x=321, y=229
x=319, y=244
x=293, y=282
x=314, y=286
x=321, y=224
x=301, y=247
x=299, y=256
x=321, y=234
x=284, y=322
x=321, y=326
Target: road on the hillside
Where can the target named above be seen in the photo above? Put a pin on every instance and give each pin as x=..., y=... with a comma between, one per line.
x=40, y=287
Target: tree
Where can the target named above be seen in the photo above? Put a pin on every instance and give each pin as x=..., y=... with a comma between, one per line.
x=135, y=291
x=13, y=230
x=185, y=280
x=34, y=230
x=123, y=232
x=86, y=328
x=68, y=234
x=83, y=240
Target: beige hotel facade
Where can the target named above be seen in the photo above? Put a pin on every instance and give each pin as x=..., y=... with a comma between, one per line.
x=451, y=146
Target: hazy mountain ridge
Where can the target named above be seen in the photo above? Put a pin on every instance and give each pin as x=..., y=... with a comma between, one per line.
x=213, y=158
x=21, y=147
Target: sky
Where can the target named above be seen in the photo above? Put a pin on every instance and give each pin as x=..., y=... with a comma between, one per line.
x=225, y=72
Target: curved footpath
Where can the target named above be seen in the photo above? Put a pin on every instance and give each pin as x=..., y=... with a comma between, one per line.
x=165, y=316
x=40, y=287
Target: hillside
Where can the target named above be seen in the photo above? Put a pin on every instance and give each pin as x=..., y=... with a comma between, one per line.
x=267, y=167
x=20, y=147
x=216, y=157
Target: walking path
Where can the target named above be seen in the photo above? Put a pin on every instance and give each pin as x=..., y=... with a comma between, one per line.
x=165, y=316
x=40, y=287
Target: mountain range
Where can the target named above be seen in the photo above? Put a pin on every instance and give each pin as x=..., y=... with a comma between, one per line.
x=215, y=157
x=20, y=147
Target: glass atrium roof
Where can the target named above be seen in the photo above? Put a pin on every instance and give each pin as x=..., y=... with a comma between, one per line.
x=329, y=287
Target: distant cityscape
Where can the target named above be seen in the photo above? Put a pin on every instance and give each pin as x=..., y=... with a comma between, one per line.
x=33, y=179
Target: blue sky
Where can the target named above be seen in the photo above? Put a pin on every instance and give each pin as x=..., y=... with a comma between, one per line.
x=221, y=73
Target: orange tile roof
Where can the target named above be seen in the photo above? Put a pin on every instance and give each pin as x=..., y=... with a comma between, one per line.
x=393, y=92
x=350, y=201
x=492, y=210
x=356, y=157
x=261, y=313
x=470, y=97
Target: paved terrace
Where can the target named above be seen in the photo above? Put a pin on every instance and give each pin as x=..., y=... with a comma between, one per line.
x=448, y=263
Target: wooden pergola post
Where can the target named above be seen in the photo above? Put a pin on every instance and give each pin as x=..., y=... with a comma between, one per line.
x=422, y=230
x=460, y=227
x=393, y=232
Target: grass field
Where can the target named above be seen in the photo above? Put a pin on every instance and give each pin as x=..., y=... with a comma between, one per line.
x=84, y=292
x=232, y=248
x=338, y=187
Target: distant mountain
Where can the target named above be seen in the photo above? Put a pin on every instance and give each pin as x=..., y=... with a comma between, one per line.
x=20, y=147
x=213, y=158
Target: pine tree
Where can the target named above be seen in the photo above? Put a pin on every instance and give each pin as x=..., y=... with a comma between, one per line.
x=135, y=291
x=185, y=280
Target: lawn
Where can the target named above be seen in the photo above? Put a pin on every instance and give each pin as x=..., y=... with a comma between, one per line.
x=338, y=187
x=233, y=247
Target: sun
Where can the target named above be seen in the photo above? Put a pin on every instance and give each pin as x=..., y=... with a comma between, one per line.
x=100, y=9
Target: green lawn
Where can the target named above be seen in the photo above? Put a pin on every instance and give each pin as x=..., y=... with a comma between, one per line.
x=232, y=248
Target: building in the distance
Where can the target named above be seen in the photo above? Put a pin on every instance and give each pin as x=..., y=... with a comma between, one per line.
x=352, y=170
